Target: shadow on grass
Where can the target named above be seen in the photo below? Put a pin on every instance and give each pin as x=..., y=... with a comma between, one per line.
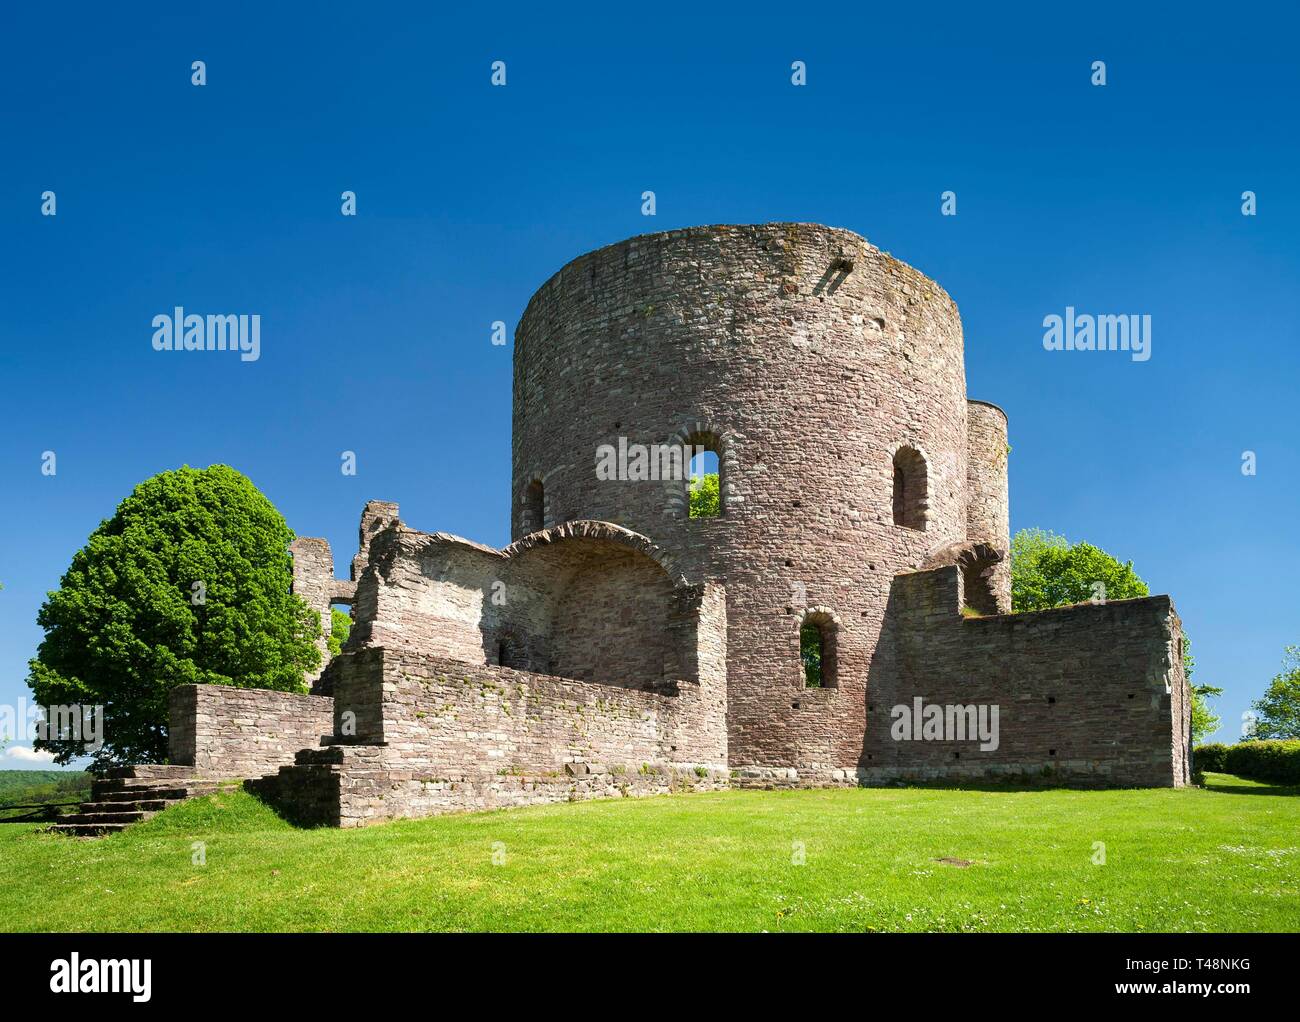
x=1256, y=788
x=267, y=791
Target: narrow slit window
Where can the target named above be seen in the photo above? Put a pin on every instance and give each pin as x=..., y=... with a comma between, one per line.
x=533, y=514
x=817, y=653
x=911, y=489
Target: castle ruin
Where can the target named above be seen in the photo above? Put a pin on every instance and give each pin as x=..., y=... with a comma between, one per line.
x=620, y=646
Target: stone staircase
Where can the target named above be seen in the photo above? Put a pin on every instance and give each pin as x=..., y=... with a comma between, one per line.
x=126, y=795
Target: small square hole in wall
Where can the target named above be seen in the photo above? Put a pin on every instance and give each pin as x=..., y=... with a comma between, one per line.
x=789, y=610
x=956, y=755
x=794, y=706
x=1051, y=699
x=1130, y=695
x=789, y=563
x=870, y=707
x=1051, y=752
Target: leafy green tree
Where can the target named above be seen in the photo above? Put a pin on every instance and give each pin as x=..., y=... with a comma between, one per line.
x=810, y=652
x=1279, y=709
x=1048, y=571
x=187, y=583
x=1204, y=720
x=340, y=629
x=705, y=496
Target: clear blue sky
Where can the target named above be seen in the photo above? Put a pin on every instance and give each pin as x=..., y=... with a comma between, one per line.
x=375, y=328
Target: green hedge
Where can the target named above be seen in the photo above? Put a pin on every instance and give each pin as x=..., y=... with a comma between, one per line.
x=1210, y=757
x=1275, y=761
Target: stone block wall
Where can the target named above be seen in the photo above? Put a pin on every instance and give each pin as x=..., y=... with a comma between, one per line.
x=416, y=735
x=988, y=513
x=223, y=731
x=314, y=581
x=587, y=600
x=1087, y=695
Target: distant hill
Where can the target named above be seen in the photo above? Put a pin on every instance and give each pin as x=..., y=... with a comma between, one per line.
x=30, y=787
x=27, y=778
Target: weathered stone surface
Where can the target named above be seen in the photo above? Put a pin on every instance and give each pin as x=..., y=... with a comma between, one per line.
x=221, y=731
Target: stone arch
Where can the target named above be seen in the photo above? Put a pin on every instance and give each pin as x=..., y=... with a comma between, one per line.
x=827, y=625
x=699, y=433
x=596, y=602
x=911, y=488
x=978, y=563
x=607, y=531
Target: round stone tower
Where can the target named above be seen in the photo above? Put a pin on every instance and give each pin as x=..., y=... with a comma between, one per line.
x=828, y=379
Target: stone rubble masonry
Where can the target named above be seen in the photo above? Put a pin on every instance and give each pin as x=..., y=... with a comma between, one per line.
x=222, y=731
x=619, y=647
x=988, y=515
x=417, y=734
x=314, y=581
x=1088, y=695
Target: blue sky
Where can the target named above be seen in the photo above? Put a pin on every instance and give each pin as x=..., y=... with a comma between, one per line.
x=375, y=329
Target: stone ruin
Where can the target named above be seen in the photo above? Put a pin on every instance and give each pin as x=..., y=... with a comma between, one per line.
x=619, y=646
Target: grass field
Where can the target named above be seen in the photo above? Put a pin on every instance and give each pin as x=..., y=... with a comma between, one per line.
x=1224, y=858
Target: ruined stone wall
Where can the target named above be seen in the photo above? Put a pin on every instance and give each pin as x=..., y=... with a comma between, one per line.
x=457, y=736
x=417, y=735
x=586, y=601
x=223, y=731
x=988, y=516
x=807, y=358
x=429, y=592
x=1092, y=695
x=314, y=581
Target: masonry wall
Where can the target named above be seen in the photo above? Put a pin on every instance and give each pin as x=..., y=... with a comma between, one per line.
x=1091, y=695
x=988, y=512
x=417, y=735
x=224, y=731
x=585, y=601
x=437, y=735
x=314, y=582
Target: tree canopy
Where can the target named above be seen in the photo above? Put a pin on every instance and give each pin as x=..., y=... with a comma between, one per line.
x=1278, y=711
x=1048, y=571
x=340, y=629
x=705, y=496
x=188, y=583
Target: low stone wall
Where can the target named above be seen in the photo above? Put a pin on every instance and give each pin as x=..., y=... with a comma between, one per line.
x=1086, y=695
x=417, y=736
x=223, y=731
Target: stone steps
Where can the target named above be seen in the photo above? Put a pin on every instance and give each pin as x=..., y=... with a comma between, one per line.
x=126, y=795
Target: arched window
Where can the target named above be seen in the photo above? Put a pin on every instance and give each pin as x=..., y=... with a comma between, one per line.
x=911, y=489
x=977, y=568
x=532, y=515
x=818, y=632
x=705, y=486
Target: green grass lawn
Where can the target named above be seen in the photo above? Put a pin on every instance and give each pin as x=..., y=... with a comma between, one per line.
x=1223, y=858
